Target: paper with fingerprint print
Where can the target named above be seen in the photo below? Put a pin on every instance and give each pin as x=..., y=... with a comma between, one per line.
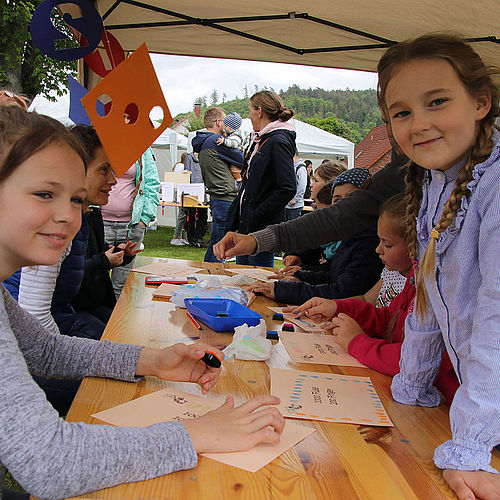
x=316, y=349
x=328, y=397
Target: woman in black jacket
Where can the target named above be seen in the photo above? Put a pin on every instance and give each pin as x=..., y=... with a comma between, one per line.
x=269, y=177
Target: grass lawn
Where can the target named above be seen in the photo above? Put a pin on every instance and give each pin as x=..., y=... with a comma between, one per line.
x=157, y=244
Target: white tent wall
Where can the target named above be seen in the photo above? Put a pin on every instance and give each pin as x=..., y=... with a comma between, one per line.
x=167, y=150
x=312, y=142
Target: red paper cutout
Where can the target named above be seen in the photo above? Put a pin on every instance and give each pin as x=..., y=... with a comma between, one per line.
x=115, y=53
x=132, y=81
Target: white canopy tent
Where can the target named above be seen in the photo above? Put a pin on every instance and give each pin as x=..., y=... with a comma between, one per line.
x=328, y=33
x=312, y=142
x=167, y=149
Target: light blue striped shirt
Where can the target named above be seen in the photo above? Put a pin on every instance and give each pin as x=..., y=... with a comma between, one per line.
x=463, y=317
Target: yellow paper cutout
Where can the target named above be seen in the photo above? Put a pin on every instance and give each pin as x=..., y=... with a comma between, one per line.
x=132, y=81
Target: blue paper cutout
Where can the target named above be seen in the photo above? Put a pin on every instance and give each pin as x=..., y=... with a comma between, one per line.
x=45, y=34
x=77, y=112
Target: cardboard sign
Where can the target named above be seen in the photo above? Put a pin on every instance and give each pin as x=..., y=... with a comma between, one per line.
x=328, y=397
x=316, y=349
x=77, y=112
x=164, y=267
x=134, y=81
x=45, y=34
x=114, y=51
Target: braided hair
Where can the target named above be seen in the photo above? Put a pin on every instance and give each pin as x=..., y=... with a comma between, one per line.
x=477, y=79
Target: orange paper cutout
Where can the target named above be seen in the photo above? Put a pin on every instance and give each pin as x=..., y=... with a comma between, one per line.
x=132, y=81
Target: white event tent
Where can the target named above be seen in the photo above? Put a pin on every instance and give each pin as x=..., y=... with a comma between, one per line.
x=312, y=142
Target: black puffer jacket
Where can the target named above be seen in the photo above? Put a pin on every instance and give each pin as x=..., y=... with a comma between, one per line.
x=268, y=185
x=354, y=269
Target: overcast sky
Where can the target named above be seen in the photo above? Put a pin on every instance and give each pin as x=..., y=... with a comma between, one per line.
x=183, y=79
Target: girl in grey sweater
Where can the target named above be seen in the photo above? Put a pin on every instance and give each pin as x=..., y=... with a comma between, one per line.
x=41, y=191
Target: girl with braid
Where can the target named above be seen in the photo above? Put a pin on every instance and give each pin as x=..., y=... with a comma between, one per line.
x=440, y=103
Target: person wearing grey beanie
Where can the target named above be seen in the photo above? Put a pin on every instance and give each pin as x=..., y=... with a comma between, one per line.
x=234, y=136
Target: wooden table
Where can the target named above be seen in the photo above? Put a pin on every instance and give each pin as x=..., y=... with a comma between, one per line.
x=339, y=461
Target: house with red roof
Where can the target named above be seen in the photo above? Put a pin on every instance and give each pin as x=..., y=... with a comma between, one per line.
x=374, y=151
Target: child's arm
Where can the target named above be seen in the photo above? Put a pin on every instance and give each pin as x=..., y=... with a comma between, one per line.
x=36, y=290
x=475, y=411
x=421, y=355
x=375, y=353
x=233, y=141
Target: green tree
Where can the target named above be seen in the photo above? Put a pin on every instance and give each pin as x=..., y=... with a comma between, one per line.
x=195, y=123
x=24, y=69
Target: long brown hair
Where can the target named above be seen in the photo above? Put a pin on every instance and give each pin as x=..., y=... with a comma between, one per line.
x=477, y=80
x=272, y=105
x=23, y=134
x=395, y=209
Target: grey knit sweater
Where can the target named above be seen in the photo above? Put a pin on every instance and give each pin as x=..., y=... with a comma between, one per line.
x=52, y=458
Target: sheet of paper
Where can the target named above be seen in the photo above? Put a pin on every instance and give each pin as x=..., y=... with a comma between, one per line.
x=195, y=189
x=305, y=324
x=170, y=404
x=159, y=406
x=258, y=457
x=165, y=267
x=258, y=274
x=167, y=191
x=164, y=291
x=316, y=349
x=328, y=397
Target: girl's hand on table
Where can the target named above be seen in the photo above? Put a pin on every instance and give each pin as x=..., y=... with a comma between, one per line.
x=181, y=363
x=236, y=429
x=284, y=273
x=344, y=328
x=469, y=485
x=266, y=289
x=317, y=308
x=235, y=244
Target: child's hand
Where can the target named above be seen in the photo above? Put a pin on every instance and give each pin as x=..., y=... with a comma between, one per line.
x=292, y=260
x=115, y=259
x=130, y=248
x=181, y=363
x=266, y=289
x=468, y=485
x=345, y=328
x=317, y=308
x=219, y=141
x=282, y=273
x=236, y=429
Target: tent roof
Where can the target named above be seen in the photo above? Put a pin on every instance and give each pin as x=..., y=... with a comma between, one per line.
x=330, y=33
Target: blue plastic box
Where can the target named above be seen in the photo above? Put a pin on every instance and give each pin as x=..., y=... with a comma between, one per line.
x=222, y=315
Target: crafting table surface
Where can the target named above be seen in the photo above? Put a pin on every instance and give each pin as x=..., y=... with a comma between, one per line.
x=339, y=461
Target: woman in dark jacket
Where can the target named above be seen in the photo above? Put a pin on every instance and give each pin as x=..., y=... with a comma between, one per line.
x=269, y=177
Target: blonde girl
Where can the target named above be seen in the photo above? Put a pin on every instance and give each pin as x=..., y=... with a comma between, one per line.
x=42, y=187
x=439, y=100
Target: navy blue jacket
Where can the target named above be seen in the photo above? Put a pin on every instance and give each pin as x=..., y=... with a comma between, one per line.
x=96, y=289
x=354, y=269
x=215, y=161
x=267, y=187
x=69, y=281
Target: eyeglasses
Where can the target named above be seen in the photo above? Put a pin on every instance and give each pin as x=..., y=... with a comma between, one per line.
x=18, y=99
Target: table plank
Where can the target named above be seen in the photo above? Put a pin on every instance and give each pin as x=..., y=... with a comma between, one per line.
x=339, y=461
